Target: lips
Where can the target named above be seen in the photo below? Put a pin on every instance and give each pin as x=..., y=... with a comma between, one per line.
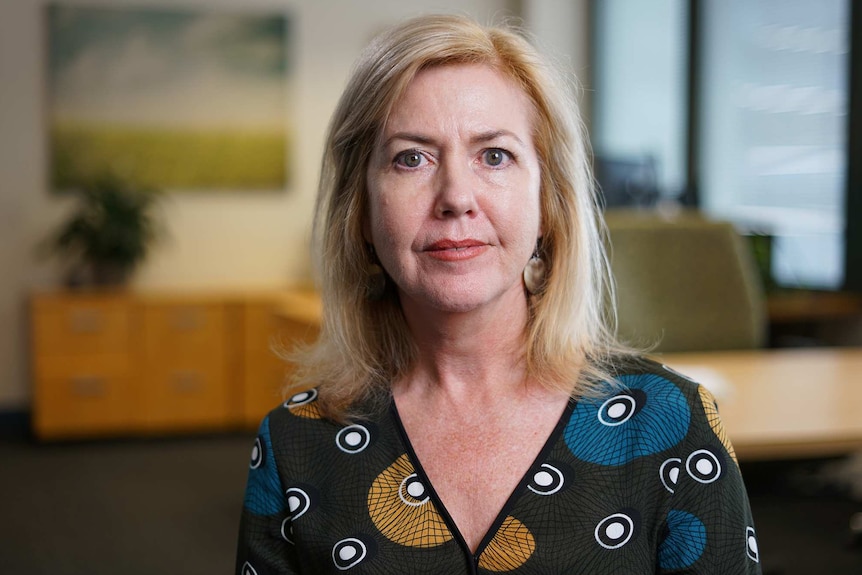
x=442, y=245
x=455, y=250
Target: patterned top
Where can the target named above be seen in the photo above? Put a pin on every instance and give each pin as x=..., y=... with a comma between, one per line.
x=640, y=480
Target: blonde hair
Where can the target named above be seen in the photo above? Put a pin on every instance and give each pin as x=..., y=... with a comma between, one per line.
x=365, y=345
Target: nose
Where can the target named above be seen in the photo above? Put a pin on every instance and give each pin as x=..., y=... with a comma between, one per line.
x=456, y=193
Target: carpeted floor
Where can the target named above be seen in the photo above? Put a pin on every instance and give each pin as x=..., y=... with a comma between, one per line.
x=802, y=513
x=131, y=508
x=171, y=506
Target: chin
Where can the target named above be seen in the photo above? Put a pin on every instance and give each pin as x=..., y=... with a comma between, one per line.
x=459, y=306
x=459, y=297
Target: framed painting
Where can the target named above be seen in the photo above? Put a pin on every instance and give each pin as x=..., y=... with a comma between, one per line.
x=169, y=99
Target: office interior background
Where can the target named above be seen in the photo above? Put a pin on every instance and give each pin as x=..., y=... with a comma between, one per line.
x=748, y=110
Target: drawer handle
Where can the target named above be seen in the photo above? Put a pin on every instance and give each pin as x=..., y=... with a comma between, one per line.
x=88, y=386
x=187, y=319
x=85, y=321
x=187, y=381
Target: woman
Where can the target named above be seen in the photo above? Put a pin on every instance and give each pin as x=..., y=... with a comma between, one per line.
x=467, y=410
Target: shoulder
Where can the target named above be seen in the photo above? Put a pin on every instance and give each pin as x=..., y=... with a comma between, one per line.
x=299, y=420
x=646, y=408
x=641, y=388
x=304, y=442
x=703, y=421
x=638, y=372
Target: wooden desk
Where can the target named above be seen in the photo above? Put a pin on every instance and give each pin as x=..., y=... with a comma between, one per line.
x=778, y=404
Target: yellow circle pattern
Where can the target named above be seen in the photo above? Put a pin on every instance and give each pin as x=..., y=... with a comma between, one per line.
x=400, y=518
x=710, y=407
x=510, y=548
x=307, y=410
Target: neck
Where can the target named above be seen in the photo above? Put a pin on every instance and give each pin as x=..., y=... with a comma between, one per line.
x=469, y=355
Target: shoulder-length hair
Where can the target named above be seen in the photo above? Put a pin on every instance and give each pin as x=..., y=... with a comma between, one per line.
x=365, y=345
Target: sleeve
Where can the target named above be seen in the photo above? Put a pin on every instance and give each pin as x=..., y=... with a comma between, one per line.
x=264, y=546
x=709, y=528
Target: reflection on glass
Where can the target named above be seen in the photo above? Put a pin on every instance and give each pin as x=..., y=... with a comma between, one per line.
x=773, y=128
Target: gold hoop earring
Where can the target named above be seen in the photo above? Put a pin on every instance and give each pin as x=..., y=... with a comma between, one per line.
x=534, y=273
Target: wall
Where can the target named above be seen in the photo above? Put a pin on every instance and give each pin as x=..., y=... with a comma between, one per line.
x=562, y=28
x=214, y=240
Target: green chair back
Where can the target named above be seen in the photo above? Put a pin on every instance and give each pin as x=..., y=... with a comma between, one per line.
x=684, y=283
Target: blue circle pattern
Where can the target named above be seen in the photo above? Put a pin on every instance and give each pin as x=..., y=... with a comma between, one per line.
x=263, y=481
x=684, y=544
x=659, y=424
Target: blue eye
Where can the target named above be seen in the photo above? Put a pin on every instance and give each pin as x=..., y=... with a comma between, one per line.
x=495, y=156
x=409, y=159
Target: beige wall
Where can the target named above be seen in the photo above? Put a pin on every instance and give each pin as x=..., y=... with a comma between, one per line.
x=214, y=240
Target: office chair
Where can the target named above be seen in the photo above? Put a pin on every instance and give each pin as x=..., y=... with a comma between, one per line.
x=684, y=283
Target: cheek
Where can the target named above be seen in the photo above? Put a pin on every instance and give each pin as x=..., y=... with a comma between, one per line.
x=390, y=227
x=526, y=208
x=378, y=211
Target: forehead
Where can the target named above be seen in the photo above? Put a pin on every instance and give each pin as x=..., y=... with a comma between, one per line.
x=461, y=93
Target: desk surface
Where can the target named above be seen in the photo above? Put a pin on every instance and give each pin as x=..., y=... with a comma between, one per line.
x=783, y=403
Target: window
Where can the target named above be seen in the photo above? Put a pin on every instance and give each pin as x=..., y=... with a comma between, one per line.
x=773, y=117
x=640, y=82
x=755, y=130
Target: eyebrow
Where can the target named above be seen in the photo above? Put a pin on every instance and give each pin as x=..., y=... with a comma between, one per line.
x=479, y=138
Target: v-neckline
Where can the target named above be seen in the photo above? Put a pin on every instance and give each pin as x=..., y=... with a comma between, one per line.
x=513, y=497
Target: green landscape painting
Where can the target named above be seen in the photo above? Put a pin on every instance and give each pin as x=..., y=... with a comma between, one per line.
x=169, y=99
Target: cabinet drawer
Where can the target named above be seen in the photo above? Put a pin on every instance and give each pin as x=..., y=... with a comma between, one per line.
x=186, y=396
x=176, y=330
x=81, y=325
x=186, y=375
x=78, y=396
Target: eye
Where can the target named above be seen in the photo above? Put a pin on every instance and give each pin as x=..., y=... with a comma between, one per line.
x=495, y=156
x=410, y=159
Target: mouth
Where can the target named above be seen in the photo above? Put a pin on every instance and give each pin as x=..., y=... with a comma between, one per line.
x=455, y=250
x=453, y=245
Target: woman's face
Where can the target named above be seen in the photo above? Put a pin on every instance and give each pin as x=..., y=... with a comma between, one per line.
x=453, y=186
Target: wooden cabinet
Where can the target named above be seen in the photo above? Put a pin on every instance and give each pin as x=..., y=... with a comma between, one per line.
x=263, y=369
x=82, y=368
x=185, y=365
x=126, y=363
x=272, y=329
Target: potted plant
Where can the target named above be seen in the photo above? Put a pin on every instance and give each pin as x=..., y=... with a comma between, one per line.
x=109, y=232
